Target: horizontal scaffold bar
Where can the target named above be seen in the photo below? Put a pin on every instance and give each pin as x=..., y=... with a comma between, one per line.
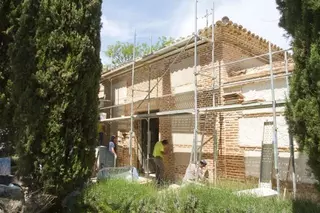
x=224, y=108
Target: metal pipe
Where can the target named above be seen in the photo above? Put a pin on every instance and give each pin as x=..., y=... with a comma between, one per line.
x=258, y=56
x=226, y=85
x=275, y=137
x=148, y=119
x=224, y=108
x=212, y=58
x=111, y=96
x=132, y=101
x=139, y=90
x=150, y=44
x=195, y=139
x=287, y=71
x=290, y=134
x=162, y=76
x=156, y=54
x=157, y=57
x=215, y=140
x=204, y=38
x=149, y=132
x=237, y=83
x=207, y=18
x=208, y=76
x=294, y=186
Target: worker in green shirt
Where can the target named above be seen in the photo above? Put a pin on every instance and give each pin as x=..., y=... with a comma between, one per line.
x=159, y=150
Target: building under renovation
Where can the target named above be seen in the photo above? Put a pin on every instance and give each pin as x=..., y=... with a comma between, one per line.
x=234, y=102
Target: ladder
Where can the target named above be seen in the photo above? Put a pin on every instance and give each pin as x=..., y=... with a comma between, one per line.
x=203, y=121
x=266, y=160
x=193, y=166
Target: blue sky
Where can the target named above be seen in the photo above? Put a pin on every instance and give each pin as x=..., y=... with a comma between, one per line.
x=176, y=18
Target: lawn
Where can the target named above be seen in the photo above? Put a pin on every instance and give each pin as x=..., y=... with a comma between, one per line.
x=121, y=196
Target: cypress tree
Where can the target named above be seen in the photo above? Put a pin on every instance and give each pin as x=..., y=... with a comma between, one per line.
x=56, y=61
x=4, y=71
x=301, y=20
x=26, y=118
x=8, y=11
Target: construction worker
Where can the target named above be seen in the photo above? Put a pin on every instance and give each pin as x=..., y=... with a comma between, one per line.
x=203, y=174
x=197, y=173
x=160, y=149
x=112, y=145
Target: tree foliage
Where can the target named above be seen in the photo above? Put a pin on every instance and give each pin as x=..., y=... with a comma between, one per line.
x=122, y=52
x=8, y=11
x=56, y=66
x=300, y=18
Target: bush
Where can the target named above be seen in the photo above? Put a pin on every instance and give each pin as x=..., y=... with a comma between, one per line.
x=120, y=196
x=115, y=195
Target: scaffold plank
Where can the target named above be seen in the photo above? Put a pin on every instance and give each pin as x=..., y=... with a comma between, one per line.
x=235, y=107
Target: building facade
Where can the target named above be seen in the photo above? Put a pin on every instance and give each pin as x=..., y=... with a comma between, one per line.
x=237, y=83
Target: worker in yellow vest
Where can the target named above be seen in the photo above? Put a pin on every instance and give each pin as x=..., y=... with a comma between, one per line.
x=160, y=149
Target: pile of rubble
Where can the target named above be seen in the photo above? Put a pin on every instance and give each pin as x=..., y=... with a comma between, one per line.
x=14, y=198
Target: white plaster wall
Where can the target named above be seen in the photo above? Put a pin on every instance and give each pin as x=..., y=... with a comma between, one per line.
x=119, y=92
x=182, y=77
x=303, y=172
x=251, y=131
x=182, y=132
x=262, y=90
x=101, y=91
x=184, y=138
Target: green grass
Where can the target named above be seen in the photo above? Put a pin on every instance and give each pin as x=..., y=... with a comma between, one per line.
x=120, y=196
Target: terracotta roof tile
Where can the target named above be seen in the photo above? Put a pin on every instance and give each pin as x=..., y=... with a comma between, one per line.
x=234, y=28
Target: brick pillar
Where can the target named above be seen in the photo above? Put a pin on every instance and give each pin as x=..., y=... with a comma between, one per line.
x=165, y=125
x=234, y=167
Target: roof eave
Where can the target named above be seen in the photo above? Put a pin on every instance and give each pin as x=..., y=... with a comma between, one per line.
x=146, y=58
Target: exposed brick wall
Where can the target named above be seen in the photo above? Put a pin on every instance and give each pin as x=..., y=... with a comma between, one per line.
x=230, y=154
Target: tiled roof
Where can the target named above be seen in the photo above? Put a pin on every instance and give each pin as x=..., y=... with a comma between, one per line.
x=234, y=30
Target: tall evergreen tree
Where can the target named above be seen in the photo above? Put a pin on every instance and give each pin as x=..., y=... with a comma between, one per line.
x=4, y=73
x=301, y=19
x=8, y=11
x=56, y=64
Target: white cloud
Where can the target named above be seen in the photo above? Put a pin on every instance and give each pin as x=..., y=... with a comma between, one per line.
x=124, y=31
x=259, y=16
x=154, y=25
x=115, y=29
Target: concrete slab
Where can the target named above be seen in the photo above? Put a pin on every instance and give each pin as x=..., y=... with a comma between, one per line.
x=258, y=192
x=152, y=175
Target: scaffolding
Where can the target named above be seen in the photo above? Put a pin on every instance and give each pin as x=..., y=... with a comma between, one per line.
x=177, y=49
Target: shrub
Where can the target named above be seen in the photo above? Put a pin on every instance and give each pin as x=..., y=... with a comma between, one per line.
x=120, y=196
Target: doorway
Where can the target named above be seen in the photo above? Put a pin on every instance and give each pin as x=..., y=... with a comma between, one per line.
x=154, y=138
